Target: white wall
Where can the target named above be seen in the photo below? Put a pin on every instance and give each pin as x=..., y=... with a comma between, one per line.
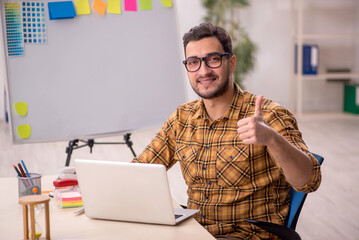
x=268, y=25
x=189, y=14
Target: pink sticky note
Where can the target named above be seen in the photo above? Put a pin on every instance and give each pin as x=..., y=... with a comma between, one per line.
x=131, y=5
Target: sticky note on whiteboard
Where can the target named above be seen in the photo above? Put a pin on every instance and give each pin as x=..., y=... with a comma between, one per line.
x=61, y=10
x=24, y=131
x=131, y=5
x=21, y=108
x=100, y=6
x=83, y=7
x=114, y=6
x=167, y=3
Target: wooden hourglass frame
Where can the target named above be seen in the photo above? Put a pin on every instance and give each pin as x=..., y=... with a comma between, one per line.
x=31, y=201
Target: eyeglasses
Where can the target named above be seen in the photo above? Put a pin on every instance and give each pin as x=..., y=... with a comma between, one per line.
x=192, y=64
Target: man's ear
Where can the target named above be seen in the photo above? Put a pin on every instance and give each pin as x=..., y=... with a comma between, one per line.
x=232, y=63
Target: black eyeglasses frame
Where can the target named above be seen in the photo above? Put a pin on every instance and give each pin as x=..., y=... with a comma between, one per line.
x=203, y=59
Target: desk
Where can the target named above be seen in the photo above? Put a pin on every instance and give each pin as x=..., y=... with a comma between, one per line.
x=65, y=225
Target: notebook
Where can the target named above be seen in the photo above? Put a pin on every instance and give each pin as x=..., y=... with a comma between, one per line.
x=134, y=192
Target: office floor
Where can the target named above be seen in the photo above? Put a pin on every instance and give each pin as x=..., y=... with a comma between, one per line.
x=330, y=213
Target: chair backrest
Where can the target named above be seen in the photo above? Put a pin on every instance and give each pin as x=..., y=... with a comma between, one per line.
x=297, y=200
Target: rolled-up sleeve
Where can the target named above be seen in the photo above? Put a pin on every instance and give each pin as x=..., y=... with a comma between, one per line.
x=161, y=148
x=285, y=124
x=315, y=180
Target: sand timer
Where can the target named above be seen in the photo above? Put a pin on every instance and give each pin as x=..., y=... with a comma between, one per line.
x=34, y=202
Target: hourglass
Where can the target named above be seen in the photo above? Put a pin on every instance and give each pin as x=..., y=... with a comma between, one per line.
x=32, y=201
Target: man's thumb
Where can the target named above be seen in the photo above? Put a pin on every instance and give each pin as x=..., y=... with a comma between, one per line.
x=258, y=108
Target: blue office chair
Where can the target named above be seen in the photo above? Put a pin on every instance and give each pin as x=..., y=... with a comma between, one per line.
x=287, y=232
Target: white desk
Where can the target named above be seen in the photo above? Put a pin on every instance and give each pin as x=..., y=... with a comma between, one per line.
x=65, y=225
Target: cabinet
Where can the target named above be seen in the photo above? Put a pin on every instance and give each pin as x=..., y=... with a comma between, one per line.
x=298, y=36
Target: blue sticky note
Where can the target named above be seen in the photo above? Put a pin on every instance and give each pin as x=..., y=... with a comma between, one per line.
x=61, y=10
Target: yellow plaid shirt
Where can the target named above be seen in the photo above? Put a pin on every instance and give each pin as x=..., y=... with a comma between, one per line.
x=227, y=180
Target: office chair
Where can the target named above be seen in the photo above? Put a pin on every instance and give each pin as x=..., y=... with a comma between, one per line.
x=287, y=232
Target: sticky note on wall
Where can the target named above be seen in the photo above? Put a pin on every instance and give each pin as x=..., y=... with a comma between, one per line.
x=61, y=10
x=83, y=7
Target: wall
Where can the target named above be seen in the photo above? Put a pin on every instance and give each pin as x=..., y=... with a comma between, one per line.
x=189, y=14
x=268, y=24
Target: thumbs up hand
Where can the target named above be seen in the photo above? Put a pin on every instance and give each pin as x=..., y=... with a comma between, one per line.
x=254, y=130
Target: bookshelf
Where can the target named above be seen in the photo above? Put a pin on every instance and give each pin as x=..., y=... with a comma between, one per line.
x=298, y=36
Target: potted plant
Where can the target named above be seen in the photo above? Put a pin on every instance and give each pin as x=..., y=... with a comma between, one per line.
x=225, y=13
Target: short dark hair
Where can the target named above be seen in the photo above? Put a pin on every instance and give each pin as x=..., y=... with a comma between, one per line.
x=208, y=30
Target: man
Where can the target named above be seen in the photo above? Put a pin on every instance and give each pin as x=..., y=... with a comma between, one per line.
x=239, y=154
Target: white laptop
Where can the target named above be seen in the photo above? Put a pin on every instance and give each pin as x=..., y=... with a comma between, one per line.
x=133, y=192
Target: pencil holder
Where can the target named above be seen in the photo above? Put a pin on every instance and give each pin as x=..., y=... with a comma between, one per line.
x=29, y=185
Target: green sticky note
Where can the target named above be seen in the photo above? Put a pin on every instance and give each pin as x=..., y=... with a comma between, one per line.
x=167, y=3
x=21, y=108
x=24, y=131
x=146, y=4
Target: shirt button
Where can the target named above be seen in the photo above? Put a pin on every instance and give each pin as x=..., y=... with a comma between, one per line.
x=208, y=183
x=211, y=128
x=203, y=216
x=204, y=168
x=231, y=157
x=207, y=147
x=207, y=198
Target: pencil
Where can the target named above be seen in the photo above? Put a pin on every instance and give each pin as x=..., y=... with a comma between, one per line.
x=26, y=171
x=23, y=174
x=17, y=171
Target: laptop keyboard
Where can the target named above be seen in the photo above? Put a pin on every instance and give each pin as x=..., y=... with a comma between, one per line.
x=177, y=216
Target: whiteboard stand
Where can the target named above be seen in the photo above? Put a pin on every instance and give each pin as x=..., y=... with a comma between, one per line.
x=91, y=142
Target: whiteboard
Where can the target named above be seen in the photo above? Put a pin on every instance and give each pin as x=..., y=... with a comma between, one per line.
x=97, y=75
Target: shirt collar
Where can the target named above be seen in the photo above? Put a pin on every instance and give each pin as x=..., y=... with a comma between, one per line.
x=200, y=113
x=237, y=102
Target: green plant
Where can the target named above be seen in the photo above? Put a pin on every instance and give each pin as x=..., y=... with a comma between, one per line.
x=225, y=13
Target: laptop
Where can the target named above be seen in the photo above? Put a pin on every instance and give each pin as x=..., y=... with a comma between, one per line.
x=133, y=192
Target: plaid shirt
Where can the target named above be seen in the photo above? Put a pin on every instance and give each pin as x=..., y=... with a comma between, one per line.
x=227, y=180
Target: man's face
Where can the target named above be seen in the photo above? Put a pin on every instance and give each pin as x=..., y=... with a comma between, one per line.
x=208, y=82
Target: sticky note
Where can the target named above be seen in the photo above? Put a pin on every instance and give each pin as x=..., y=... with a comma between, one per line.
x=83, y=7
x=146, y=4
x=61, y=10
x=100, y=6
x=21, y=108
x=114, y=6
x=24, y=131
x=131, y=5
x=167, y=3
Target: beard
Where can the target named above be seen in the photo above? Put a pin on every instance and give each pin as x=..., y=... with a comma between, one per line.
x=219, y=91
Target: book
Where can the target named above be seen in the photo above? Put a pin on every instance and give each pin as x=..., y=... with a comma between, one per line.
x=310, y=59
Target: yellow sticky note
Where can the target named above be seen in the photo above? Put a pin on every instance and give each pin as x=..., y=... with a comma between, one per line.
x=114, y=6
x=83, y=7
x=24, y=131
x=100, y=6
x=21, y=108
x=167, y=3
